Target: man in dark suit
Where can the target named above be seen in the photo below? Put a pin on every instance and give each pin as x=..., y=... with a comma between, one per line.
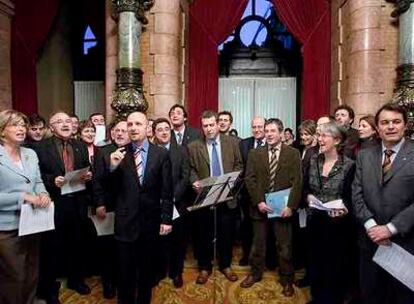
x=104, y=201
x=140, y=173
x=246, y=231
x=181, y=134
x=273, y=168
x=213, y=156
x=58, y=155
x=344, y=116
x=383, y=200
x=174, y=245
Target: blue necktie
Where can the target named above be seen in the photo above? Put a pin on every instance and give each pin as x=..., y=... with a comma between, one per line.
x=215, y=162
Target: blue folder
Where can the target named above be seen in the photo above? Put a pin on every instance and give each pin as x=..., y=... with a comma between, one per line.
x=277, y=201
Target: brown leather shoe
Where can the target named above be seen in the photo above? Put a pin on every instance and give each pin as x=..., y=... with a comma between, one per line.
x=249, y=281
x=288, y=290
x=203, y=277
x=229, y=274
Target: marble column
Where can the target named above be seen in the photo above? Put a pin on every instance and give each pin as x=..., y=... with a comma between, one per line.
x=404, y=92
x=128, y=95
x=111, y=62
x=6, y=13
x=166, y=52
x=364, y=54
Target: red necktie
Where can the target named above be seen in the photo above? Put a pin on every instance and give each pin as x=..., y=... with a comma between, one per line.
x=67, y=160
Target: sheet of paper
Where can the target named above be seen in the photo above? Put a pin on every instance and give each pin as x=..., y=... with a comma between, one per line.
x=215, y=193
x=398, y=262
x=303, y=214
x=100, y=135
x=277, y=201
x=176, y=215
x=35, y=220
x=74, y=182
x=328, y=206
x=104, y=226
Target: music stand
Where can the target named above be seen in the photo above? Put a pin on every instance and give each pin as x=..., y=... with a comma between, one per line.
x=217, y=190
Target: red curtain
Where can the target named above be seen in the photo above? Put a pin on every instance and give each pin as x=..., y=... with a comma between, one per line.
x=30, y=28
x=310, y=22
x=211, y=22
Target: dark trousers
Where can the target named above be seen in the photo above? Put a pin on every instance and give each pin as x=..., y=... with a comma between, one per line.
x=137, y=270
x=330, y=264
x=173, y=249
x=63, y=246
x=108, y=259
x=378, y=286
x=204, y=222
x=282, y=230
x=246, y=228
x=18, y=267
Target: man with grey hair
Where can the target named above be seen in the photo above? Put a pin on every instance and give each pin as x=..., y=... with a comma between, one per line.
x=255, y=141
x=59, y=155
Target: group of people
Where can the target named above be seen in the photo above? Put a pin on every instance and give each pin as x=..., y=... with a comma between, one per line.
x=145, y=168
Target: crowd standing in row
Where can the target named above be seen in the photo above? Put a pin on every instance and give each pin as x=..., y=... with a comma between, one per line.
x=144, y=168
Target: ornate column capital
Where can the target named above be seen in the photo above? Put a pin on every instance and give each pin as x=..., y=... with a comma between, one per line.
x=6, y=7
x=401, y=6
x=139, y=7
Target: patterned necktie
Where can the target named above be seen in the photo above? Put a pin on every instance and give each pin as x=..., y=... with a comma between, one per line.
x=67, y=160
x=215, y=162
x=139, y=164
x=259, y=143
x=272, y=169
x=386, y=165
x=180, y=138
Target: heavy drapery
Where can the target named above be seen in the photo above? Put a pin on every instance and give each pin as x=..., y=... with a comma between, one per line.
x=310, y=22
x=211, y=22
x=30, y=28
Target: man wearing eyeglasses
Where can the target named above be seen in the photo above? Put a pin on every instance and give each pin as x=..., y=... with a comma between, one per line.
x=59, y=155
x=104, y=201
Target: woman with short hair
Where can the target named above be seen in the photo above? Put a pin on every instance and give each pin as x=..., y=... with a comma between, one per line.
x=329, y=178
x=20, y=183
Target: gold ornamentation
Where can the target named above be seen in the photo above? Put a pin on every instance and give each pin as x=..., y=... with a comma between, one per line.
x=139, y=7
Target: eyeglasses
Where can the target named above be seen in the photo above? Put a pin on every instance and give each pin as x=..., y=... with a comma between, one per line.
x=61, y=121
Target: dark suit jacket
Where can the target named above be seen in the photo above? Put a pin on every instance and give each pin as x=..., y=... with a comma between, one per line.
x=200, y=162
x=180, y=176
x=391, y=201
x=51, y=165
x=103, y=192
x=351, y=143
x=139, y=210
x=245, y=146
x=288, y=174
x=190, y=135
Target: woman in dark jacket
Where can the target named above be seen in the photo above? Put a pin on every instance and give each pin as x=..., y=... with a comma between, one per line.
x=329, y=178
x=368, y=135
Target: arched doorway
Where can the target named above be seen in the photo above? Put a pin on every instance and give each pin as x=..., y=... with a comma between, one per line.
x=260, y=69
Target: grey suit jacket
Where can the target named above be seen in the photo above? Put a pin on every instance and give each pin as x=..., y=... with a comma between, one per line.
x=14, y=183
x=388, y=201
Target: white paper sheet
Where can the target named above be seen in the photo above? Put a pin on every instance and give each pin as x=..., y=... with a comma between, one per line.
x=398, y=262
x=328, y=206
x=104, y=226
x=74, y=182
x=100, y=135
x=176, y=215
x=35, y=220
x=303, y=214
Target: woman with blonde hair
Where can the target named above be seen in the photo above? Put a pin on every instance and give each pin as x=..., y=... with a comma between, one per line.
x=20, y=183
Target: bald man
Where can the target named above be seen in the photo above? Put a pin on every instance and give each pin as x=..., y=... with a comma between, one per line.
x=141, y=176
